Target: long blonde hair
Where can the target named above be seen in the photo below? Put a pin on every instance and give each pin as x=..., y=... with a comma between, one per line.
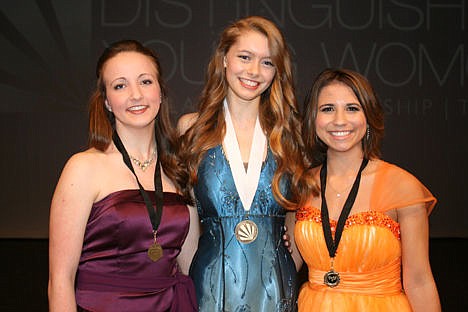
x=278, y=111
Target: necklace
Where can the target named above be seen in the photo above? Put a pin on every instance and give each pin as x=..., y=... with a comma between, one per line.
x=339, y=193
x=332, y=278
x=143, y=164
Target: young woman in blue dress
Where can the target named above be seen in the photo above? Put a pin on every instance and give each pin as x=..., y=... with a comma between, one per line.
x=242, y=147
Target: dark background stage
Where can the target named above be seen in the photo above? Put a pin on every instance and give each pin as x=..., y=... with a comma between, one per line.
x=413, y=51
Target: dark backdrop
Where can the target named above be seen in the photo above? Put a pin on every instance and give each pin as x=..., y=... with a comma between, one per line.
x=413, y=51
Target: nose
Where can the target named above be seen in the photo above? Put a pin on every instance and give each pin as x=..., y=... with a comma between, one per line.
x=340, y=118
x=135, y=92
x=254, y=68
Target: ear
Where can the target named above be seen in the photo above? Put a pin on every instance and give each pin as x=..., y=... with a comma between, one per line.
x=224, y=61
x=109, y=108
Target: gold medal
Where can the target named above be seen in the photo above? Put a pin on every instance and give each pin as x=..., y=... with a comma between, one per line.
x=246, y=231
x=155, y=252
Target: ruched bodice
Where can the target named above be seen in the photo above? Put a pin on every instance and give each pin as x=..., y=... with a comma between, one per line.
x=234, y=276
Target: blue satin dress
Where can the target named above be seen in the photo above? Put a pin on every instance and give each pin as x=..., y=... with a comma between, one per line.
x=230, y=275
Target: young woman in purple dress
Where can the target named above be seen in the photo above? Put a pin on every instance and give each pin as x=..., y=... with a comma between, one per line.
x=118, y=221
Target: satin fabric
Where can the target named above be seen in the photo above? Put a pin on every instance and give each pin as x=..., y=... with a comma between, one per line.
x=233, y=276
x=115, y=272
x=368, y=258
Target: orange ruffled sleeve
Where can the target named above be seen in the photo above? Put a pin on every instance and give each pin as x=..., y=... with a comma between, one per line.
x=396, y=188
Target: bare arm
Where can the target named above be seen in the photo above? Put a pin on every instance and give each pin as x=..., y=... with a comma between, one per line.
x=185, y=122
x=69, y=212
x=190, y=245
x=290, y=223
x=418, y=281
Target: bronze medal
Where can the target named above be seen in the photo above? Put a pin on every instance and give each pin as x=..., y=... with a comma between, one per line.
x=155, y=252
x=246, y=231
x=331, y=278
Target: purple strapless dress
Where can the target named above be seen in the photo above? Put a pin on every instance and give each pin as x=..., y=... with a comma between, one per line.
x=115, y=272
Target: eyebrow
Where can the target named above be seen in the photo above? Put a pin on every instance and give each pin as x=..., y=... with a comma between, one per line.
x=350, y=103
x=139, y=76
x=251, y=52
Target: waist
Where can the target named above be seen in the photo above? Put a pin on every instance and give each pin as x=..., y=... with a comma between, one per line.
x=242, y=217
x=382, y=281
x=117, y=282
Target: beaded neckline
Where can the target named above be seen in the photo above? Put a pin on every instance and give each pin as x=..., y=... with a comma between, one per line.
x=370, y=217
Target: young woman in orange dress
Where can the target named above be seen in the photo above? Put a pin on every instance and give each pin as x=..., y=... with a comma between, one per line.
x=365, y=237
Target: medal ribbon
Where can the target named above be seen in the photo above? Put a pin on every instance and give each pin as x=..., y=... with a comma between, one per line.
x=246, y=182
x=155, y=216
x=332, y=244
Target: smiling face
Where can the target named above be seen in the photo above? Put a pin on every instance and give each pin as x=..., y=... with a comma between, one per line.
x=249, y=68
x=132, y=89
x=340, y=122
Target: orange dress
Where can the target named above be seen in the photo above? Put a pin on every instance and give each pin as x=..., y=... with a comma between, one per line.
x=368, y=258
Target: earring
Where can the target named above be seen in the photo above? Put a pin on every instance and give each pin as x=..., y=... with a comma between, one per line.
x=109, y=108
x=367, y=132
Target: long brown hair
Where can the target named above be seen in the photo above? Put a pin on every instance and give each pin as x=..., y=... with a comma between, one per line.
x=315, y=148
x=278, y=111
x=102, y=122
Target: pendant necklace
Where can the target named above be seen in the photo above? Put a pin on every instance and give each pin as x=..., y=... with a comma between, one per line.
x=246, y=183
x=332, y=278
x=143, y=164
x=155, y=251
x=339, y=194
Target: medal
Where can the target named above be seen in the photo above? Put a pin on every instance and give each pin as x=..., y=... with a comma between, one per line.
x=332, y=278
x=246, y=183
x=246, y=231
x=155, y=252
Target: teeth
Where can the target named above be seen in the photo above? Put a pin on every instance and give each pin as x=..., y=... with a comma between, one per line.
x=250, y=82
x=340, y=133
x=135, y=108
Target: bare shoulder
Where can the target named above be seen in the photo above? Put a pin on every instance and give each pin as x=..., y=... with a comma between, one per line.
x=185, y=122
x=85, y=162
x=83, y=169
x=79, y=182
